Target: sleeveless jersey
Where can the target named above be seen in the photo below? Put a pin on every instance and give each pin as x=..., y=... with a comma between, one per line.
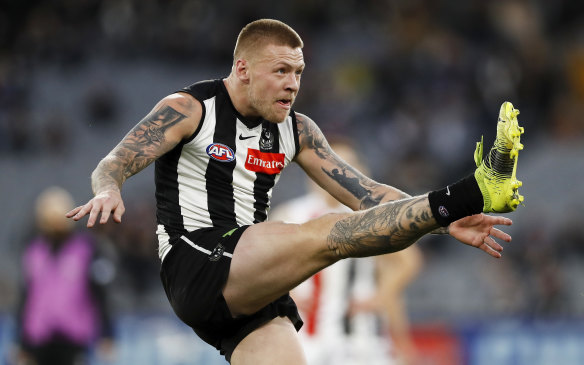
x=223, y=175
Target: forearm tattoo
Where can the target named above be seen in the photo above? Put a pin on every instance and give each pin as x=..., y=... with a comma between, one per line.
x=346, y=177
x=140, y=147
x=386, y=228
x=361, y=187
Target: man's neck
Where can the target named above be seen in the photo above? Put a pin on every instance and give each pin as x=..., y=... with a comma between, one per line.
x=238, y=97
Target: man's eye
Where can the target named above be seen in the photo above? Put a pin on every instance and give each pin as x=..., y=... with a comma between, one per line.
x=281, y=71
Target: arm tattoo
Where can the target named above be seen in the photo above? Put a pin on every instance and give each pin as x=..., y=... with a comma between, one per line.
x=146, y=140
x=346, y=176
x=312, y=137
x=355, y=186
x=386, y=228
x=140, y=147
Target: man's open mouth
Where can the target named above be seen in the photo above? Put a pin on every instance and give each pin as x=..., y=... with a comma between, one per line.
x=285, y=103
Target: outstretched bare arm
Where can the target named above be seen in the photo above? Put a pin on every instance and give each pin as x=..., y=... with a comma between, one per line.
x=140, y=147
x=390, y=219
x=174, y=118
x=343, y=181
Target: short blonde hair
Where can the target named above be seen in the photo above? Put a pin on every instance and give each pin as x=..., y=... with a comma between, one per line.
x=262, y=32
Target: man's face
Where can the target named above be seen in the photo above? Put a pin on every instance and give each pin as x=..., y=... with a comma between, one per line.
x=274, y=81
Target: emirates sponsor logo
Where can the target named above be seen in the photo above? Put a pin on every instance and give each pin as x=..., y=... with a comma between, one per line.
x=266, y=162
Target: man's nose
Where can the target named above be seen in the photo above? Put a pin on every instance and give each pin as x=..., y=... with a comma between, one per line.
x=292, y=82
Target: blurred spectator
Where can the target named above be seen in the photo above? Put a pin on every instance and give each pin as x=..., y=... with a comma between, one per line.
x=63, y=309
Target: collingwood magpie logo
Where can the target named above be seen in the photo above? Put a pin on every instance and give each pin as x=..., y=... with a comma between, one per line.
x=267, y=140
x=217, y=253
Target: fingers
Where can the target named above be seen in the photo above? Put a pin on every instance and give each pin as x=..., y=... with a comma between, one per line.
x=491, y=247
x=74, y=211
x=95, y=207
x=106, y=210
x=498, y=220
x=117, y=216
x=489, y=244
x=500, y=234
x=489, y=241
x=105, y=213
x=82, y=211
x=79, y=212
x=479, y=231
x=488, y=249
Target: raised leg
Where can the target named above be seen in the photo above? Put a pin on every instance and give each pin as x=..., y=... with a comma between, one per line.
x=271, y=258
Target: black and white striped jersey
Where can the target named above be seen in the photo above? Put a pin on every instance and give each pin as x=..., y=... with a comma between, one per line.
x=224, y=174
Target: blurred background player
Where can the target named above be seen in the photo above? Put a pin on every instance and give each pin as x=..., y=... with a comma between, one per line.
x=354, y=310
x=63, y=309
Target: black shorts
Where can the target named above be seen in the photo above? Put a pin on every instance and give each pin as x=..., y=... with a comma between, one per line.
x=194, y=273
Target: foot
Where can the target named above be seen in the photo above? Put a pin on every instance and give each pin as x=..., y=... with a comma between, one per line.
x=496, y=173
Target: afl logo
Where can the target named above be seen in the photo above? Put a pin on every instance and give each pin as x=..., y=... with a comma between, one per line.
x=220, y=152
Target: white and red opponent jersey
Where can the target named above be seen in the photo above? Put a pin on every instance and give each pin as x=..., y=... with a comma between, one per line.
x=329, y=335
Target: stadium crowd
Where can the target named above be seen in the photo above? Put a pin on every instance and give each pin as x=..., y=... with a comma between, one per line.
x=416, y=83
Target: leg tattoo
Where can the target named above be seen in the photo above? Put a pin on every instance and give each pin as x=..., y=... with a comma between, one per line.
x=386, y=228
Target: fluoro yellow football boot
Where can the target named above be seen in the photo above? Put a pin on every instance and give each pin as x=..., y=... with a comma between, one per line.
x=496, y=172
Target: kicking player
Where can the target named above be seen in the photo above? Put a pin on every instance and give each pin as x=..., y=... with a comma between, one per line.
x=220, y=146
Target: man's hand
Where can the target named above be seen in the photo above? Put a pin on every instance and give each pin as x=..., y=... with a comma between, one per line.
x=106, y=203
x=478, y=231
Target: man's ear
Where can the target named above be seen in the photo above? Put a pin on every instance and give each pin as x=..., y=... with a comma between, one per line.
x=242, y=70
